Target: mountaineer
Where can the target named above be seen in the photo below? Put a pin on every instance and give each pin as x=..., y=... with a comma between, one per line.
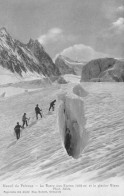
x=38, y=111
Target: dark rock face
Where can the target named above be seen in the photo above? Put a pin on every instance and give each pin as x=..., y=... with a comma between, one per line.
x=64, y=68
x=61, y=80
x=45, y=60
x=103, y=70
x=20, y=58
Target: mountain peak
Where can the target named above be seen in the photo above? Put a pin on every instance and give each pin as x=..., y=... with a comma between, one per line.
x=22, y=59
x=31, y=42
x=59, y=57
x=64, y=58
x=3, y=31
x=34, y=45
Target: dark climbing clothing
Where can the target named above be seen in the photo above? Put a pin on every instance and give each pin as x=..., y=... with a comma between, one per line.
x=24, y=120
x=38, y=111
x=17, y=131
x=39, y=114
x=52, y=104
x=25, y=123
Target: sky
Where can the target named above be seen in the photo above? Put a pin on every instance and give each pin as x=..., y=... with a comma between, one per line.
x=79, y=29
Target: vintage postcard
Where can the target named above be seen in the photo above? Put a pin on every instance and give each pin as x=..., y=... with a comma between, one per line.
x=61, y=97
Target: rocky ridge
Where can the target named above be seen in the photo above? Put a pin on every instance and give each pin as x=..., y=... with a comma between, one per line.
x=103, y=70
x=21, y=59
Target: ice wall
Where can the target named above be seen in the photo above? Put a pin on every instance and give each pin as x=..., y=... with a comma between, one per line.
x=71, y=116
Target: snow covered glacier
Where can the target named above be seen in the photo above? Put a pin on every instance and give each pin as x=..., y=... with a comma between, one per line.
x=72, y=121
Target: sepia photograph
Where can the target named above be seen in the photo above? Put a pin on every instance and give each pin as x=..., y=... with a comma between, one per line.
x=61, y=97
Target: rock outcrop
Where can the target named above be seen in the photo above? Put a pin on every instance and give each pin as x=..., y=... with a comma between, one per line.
x=103, y=70
x=61, y=80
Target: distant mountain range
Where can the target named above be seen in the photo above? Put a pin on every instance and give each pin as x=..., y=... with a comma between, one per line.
x=30, y=61
x=68, y=66
x=22, y=60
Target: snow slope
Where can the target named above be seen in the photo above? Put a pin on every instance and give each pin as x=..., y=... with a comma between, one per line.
x=39, y=155
x=7, y=77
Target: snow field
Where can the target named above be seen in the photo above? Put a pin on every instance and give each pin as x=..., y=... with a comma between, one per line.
x=39, y=155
